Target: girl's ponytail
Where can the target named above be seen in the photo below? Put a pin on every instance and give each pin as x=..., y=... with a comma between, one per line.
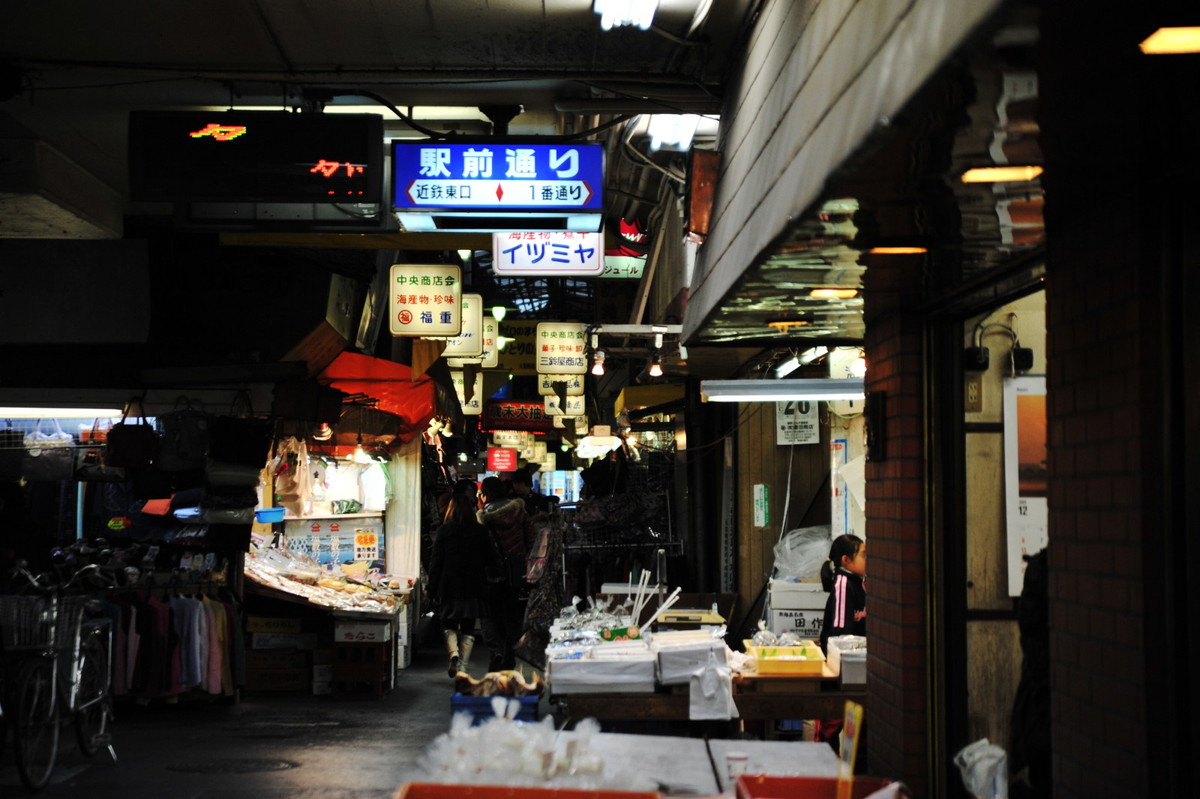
x=843, y=546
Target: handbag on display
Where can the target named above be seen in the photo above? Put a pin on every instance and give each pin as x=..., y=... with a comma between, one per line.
x=91, y=459
x=184, y=439
x=240, y=437
x=12, y=451
x=132, y=445
x=48, y=456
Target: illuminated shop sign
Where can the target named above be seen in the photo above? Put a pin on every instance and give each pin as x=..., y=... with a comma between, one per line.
x=548, y=253
x=425, y=300
x=494, y=176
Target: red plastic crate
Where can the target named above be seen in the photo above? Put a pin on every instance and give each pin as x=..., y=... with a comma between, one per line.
x=758, y=786
x=431, y=790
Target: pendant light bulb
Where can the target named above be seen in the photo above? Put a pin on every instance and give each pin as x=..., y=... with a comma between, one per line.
x=498, y=312
x=598, y=363
x=656, y=369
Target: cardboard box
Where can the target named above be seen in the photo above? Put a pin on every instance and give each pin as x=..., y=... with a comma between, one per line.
x=804, y=623
x=788, y=595
x=270, y=624
x=361, y=632
x=278, y=680
x=283, y=640
x=276, y=659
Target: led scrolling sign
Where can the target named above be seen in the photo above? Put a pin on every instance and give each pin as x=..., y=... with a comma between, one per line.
x=249, y=156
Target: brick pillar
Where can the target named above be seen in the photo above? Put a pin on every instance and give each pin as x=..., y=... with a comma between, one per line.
x=1108, y=398
x=896, y=580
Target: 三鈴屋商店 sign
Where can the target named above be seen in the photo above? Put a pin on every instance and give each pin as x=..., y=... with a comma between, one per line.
x=424, y=300
x=560, y=348
x=487, y=176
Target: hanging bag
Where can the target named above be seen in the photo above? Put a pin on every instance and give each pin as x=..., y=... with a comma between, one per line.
x=132, y=445
x=12, y=452
x=240, y=437
x=91, y=459
x=184, y=437
x=48, y=456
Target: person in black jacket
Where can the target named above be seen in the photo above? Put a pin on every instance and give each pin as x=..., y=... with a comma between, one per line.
x=458, y=575
x=842, y=576
x=511, y=535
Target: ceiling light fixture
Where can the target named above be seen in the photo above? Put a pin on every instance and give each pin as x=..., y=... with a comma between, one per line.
x=898, y=250
x=833, y=294
x=656, y=369
x=499, y=312
x=619, y=13
x=598, y=363
x=673, y=131
x=1001, y=174
x=1172, y=41
x=58, y=413
x=465, y=256
x=815, y=389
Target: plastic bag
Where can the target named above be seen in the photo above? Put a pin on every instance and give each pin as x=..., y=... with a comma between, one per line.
x=801, y=552
x=710, y=692
x=984, y=769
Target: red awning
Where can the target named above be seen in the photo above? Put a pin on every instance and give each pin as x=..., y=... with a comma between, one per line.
x=390, y=384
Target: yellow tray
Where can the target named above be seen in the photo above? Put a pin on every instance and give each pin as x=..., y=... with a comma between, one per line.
x=804, y=659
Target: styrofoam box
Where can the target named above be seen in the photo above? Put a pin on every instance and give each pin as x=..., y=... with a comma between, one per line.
x=632, y=674
x=677, y=663
x=787, y=595
x=322, y=672
x=848, y=656
x=402, y=630
x=805, y=623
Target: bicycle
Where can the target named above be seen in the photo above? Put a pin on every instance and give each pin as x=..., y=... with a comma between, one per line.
x=62, y=662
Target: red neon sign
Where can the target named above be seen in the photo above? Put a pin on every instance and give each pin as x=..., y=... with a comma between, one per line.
x=219, y=132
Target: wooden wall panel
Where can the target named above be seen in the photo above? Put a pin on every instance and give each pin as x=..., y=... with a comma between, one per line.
x=987, y=559
x=993, y=671
x=761, y=460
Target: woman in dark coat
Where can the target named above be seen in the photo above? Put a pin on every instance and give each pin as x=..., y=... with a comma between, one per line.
x=457, y=575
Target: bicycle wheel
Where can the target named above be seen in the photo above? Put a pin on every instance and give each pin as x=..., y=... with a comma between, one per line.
x=91, y=717
x=35, y=723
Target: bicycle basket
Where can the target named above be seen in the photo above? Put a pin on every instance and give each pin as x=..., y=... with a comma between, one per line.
x=34, y=622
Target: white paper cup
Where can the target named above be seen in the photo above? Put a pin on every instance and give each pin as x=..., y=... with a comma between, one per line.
x=735, y=764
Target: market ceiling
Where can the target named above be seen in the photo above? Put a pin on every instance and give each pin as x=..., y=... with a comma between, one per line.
x=75, y=71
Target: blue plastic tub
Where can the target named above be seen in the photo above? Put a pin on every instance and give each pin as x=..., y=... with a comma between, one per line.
x=269, y=515
x=480, y=707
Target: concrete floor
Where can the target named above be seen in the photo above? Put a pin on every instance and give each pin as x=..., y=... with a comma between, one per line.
x=266, y=746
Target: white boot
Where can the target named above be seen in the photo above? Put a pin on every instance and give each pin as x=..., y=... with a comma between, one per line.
x=452, y=649
x=466, y=643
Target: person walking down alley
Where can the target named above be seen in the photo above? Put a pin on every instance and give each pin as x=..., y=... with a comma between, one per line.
x=536, y=505
x=458, y=575
x=511, y=533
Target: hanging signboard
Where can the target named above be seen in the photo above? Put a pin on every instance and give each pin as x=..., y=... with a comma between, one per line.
x=534, y=451
x=516, y=439
x=574, y=384
x=1026, y=479
x=469, y=341
x=423, y=300
x=569, y=422
x=498, y=177
x=501, y=459
x=548, y=253
x=626, y=267
x=515, y=415
x=518, y=356
x=560, y=348
x=797, y=422
x=473, y=406
x=574, y=406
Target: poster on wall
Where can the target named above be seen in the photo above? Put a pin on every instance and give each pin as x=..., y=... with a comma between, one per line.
x=1026, y=479
x=796, y=422
x=839, y=456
